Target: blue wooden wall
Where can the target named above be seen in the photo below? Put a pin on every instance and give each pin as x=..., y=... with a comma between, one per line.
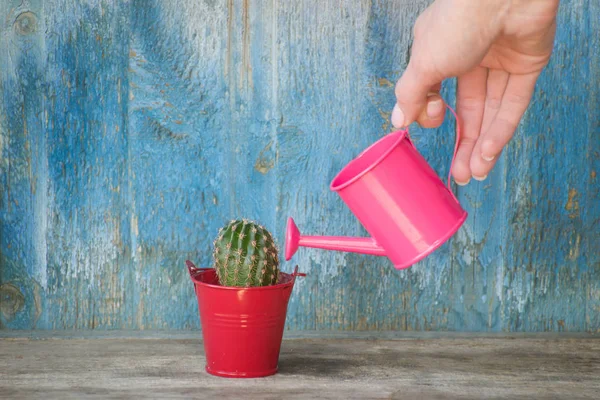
x=130, y=131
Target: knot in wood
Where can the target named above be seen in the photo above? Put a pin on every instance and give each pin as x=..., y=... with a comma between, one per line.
x=26, y=23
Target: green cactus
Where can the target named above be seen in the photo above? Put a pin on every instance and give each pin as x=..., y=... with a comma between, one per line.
x=246, y=255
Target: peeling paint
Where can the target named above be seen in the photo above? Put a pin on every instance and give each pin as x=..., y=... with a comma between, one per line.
x=265, y=162
x=574, y=245
x=385, y=82
x=572, y=203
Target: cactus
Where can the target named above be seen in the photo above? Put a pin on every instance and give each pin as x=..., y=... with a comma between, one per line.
x=245, y=255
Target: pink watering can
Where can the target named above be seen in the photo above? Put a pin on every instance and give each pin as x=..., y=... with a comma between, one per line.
x=397, y=197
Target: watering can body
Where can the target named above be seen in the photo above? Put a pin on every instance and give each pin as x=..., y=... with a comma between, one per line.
x=397, y=197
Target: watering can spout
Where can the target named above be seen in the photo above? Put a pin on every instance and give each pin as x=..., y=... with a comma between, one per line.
x=294, y=239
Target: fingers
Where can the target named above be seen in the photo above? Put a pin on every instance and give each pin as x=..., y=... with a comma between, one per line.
x=433, y=114
x=470, y=100
x=512, y=107
x=496, y=86
x=413, y=102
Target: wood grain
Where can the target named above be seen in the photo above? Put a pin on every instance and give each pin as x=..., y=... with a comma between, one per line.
x=130, y=131
x=450, y=368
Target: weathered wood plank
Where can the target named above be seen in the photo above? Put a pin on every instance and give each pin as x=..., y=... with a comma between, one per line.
x=87, y=148
x=328, y=369
x=551, y=250
x=180, y=152
x=23, y=164
x=131, y=130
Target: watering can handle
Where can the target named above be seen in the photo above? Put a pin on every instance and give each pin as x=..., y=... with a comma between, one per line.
x=455, y=148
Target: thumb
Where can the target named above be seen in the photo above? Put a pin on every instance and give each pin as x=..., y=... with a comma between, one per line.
x=412, y=91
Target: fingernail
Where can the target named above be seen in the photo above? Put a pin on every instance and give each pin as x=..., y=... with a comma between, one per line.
x=397, y=117
x=488, y=158
x=462, y=183
x=480, y=178
x=434, y=108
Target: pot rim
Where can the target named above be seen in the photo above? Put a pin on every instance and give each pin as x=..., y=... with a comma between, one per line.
x=196, y=272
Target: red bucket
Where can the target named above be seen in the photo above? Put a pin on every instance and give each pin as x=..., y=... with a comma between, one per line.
x=242, y=328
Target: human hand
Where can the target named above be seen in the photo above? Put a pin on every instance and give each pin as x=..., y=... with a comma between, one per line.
x=497, y=49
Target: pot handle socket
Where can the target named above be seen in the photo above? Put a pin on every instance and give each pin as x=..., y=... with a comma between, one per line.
x=193, y=269
x=296, y=273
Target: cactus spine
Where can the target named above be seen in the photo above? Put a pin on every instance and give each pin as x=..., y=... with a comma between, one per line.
x=245, y=255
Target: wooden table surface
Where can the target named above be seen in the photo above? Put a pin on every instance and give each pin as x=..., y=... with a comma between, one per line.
x=477, y=367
